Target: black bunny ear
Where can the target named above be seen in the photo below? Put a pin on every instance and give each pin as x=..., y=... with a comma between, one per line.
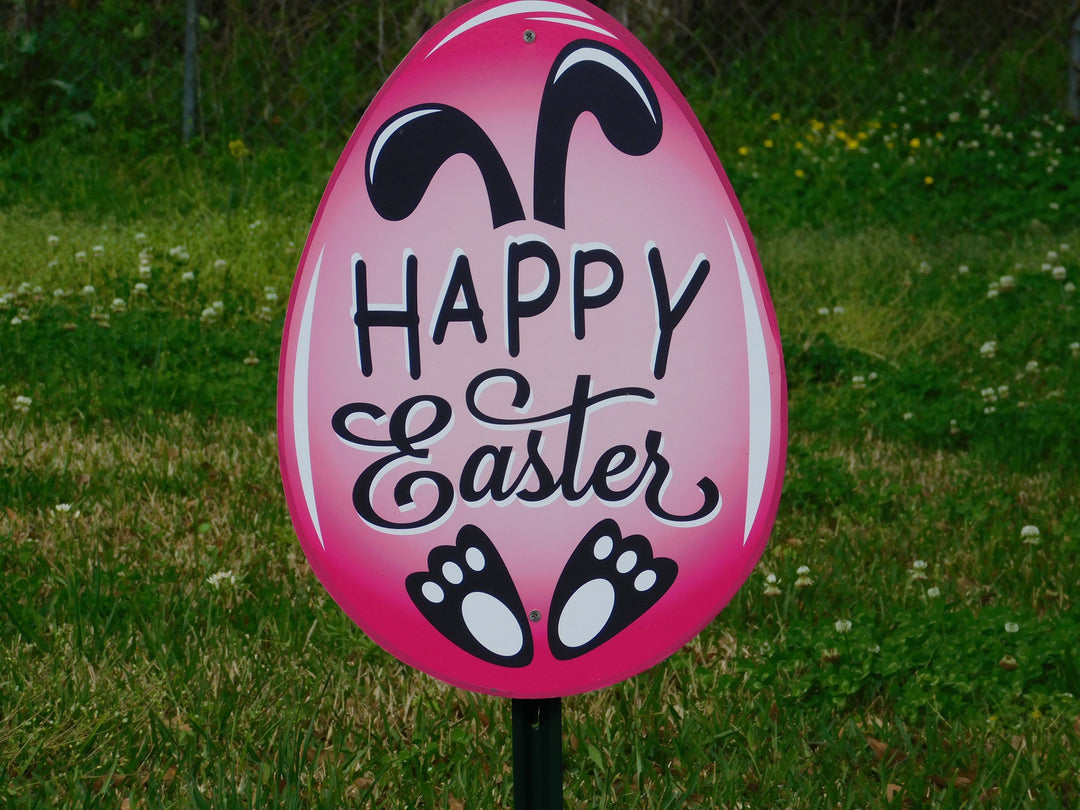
x=590, y=77
x=409, y=148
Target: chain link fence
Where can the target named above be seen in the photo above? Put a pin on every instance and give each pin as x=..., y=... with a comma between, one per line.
x=148, y=73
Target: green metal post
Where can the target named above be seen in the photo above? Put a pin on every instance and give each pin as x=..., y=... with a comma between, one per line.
x=537, y=741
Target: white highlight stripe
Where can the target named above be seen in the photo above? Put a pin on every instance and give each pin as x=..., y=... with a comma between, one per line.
x=521, y=7
x=385, y=136
x=611, y=63
x=596, y=29
x=301, y=437
x=760, y=395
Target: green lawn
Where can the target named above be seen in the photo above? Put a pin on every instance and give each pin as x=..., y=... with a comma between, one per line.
x=910, y=635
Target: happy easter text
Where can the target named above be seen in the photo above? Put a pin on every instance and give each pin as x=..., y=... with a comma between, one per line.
x=492, y=472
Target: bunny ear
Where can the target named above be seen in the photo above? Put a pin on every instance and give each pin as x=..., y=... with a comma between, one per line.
x=589, y=77
x=409, y=148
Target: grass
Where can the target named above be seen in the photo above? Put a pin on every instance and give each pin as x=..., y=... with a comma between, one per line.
x=905, y=640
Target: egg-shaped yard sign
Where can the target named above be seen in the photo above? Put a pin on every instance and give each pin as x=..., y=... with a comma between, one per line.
x=532, y=411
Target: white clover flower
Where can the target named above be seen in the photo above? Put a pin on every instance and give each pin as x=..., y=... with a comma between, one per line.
x=219, y=306
x=963, y=269
x=145, y=271
x=1003, y=391
x=1051, y=255
x=80, y=255
x=251, y=360
x=992, y=293
x=1032, y=366
x=208, y=314
x=118, y=305
x=88, y=289
x=178, y=251
x=838, y=310
x=989, y=409
x=1069, y=287
x=1007, y=283
x=98, y=250
x=843, y=625
x=803, y=580
x=59, y=292
x=140, y=237
x=1074, y=347
x=270, y=294
x=1029, y=535
x=772, y=585
x=933, y=592
x=53, y=239
x=823, y=311
x=220, y=263
x=924, y=268
x=908, y=416
x=1059, y=273
x=1055, y=206
x=22, y=404
x=1012, y=627
x=858, y=381
x=140, y=288
x=187, y=275
x=918, y=570
x=254, y=224
x=954, y=117
x=16, y=321
x=62, y=507
x=1064, y=247
x=989, y=395
x=988, y=349
x=219, y=578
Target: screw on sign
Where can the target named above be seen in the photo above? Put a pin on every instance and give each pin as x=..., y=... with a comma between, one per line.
x=531, y=401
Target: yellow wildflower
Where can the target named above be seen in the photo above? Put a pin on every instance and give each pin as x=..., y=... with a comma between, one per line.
x=744, y=150
x=775, y=116
x=238, y=149
x=915, y=143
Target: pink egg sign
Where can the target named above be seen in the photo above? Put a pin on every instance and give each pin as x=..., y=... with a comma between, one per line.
x=531, y=411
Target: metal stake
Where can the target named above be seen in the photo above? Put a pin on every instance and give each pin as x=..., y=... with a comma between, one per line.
x=537, y=742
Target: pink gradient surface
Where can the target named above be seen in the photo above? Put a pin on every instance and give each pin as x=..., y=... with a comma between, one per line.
x=720, y=406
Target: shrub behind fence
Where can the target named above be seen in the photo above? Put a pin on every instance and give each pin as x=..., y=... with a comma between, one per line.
x=284, y=70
